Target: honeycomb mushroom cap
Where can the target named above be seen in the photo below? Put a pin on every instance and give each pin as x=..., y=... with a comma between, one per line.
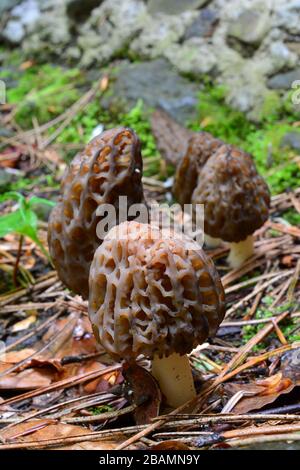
x=200, y=147
x=110, y=166
x=236, y=198
x=151, y=294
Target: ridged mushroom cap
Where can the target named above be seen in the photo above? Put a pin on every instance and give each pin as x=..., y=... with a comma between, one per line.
x=151, y=293
x=236, y=198
x=109, y=166
x=201, y=146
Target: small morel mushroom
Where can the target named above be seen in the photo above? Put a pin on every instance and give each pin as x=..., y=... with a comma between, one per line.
x=154, y=294
x=109, y=167
x=236, y=198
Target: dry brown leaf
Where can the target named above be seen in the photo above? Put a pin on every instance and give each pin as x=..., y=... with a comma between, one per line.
x=41, y=429
x=26, y=65
x=146, y=393
x=12, y=357
x=23, y=324
x=46, y=430
x=82, y=341
x=262, y=392
x=28, y=379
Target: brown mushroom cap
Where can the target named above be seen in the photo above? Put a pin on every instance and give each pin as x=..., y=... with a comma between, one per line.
x=110, y=166
x=151, y=295
x=171, y=137
x=236, y=198
x=201, y=146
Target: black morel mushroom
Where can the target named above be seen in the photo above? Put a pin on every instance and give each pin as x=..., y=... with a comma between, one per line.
x=109, y=167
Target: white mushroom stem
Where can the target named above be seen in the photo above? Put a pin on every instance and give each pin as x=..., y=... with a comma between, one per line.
x=212, y=242
x=240, y=252
x=174, y=375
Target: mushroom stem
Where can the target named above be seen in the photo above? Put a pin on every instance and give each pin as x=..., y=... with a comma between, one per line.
x=212, y=242
x=175, y=378
x=241, y=251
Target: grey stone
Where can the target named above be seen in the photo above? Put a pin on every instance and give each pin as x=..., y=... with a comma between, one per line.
x=251, y=26
x=7, y=177
x=7, y=5
x=287, y=15
x=173, y=7
x=50, y=33
x=284, y=80
x=158, y=85
x=204, y=24
x=292, y=140
x=159, y=33
x=110, y=30
x=27, y=12
x=294, y=47
x=14, y=32
x=194, y=56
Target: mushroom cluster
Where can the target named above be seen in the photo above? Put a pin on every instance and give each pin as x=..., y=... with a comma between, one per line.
x=156, y=294
x=110, y=166
x=223, y=178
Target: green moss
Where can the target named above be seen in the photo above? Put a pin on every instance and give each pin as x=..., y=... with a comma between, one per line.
x=98, y=410
x=292, y=217
x=273, y=162
x=271, y=107
x=287, y=326
x=42, y=92
x=219, y=119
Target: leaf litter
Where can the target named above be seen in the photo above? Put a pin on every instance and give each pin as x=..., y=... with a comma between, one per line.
x=59, y=389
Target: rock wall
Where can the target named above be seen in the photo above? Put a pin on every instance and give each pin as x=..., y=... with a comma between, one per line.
x=250, y=46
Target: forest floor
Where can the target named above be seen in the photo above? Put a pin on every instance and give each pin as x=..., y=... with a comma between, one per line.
x=58, y=389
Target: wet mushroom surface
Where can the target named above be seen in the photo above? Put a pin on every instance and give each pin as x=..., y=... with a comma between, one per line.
x=109, y=167
x=223, y=178
x=156, y=294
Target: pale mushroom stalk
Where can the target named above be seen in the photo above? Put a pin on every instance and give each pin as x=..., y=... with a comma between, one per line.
x=240, y=252
x=174, y=375
x=212, y=242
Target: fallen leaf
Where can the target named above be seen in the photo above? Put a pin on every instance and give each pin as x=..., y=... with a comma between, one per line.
x=45, y=430
x=104, y=83
x=262, y=392
x=146, y=392
x=12, y=357
x=28, y=379
x=26, y=65
x=23, y=324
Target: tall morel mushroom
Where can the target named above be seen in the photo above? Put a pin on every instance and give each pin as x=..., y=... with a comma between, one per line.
x=236, y=198
x=109, y=167
x=152, y=294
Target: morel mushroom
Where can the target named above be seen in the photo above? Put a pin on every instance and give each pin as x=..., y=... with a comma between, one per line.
x=152, y=295
x=109, y=167
x=236, y=198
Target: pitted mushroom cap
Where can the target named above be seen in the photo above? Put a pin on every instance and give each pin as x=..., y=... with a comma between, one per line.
x=150, y=293
x=236, y=198
x=201, y=146
x=109, y=167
